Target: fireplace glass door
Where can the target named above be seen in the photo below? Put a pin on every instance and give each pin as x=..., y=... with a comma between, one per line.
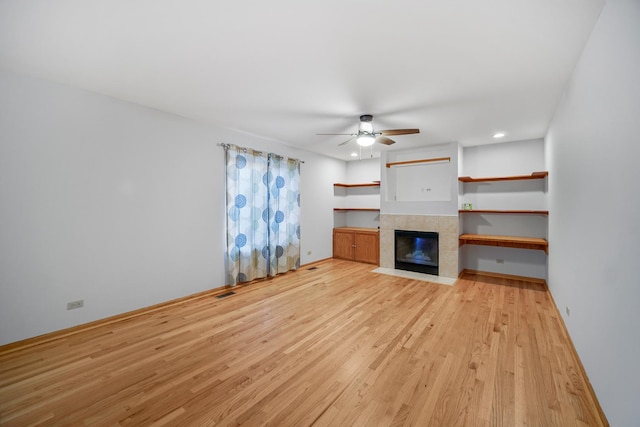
x=416, y=251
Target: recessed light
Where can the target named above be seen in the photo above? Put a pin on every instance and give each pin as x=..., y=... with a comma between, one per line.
x=499, y=135
x=354, y=154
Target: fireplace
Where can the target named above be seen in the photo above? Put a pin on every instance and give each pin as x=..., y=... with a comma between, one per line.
x=416, y=251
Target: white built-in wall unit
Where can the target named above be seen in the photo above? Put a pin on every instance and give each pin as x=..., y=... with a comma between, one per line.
x=357, y=199
x=503, y=201
x=419, y=192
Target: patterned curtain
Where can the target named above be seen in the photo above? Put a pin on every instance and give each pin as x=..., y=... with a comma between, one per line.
x=263, y=214
x=284, y=214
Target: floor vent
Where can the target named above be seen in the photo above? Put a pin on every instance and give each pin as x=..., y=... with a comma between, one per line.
x=312, y=268
x=226, y=294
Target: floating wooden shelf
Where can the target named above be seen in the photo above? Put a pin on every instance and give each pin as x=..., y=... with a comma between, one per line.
x=505, y=241
x=412, y=162
x=535, y=175
x=489, y=211
x=356, y=209
x=368, y=184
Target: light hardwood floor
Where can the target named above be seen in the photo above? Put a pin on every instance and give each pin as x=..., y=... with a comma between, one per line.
x=334, y=346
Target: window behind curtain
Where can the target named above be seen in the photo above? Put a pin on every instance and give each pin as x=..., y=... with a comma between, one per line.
x=263, y=214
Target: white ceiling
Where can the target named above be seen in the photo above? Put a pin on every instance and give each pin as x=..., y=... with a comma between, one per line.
x=284, y=70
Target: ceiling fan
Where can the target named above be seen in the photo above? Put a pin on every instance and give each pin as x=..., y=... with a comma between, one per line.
x=366, y=136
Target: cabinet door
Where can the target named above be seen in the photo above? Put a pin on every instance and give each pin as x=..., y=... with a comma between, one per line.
x=343, y=244
x=367, y=247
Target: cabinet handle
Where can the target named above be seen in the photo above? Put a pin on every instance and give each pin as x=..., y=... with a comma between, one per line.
x=353, y=246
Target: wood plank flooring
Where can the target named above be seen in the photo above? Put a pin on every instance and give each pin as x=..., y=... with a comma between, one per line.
x=334, y=346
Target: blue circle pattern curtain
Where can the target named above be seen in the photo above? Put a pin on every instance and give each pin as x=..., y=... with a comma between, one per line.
x=263, y=214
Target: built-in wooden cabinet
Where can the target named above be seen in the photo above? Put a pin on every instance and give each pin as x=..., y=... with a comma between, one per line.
x=357, y=244
x=355, y=233
x=536, y=243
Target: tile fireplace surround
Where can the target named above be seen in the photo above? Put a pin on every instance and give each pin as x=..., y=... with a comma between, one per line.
x=446, y=226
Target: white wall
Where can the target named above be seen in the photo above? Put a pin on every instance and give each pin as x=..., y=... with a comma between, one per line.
x=593, y=151
x=505, y=159
x=361, y=171
x=119, y=205
x=317, y=176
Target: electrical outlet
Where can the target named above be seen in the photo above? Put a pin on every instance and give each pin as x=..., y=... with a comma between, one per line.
x=566, y=308
x=500, y=261
x=71, y=305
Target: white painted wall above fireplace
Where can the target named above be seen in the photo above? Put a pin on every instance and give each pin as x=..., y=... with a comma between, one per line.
x=403, y=189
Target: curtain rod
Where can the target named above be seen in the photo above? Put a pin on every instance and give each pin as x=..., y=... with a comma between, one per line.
x=226, y=146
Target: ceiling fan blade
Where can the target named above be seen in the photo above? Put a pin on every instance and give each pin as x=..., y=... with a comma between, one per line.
x=346, y=142
x=399, y=131
x=351, y=134
x=384, y=140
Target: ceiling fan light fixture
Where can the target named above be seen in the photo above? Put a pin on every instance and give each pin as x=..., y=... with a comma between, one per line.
x=366, y=136
x=366, y=127
x=366, y=140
